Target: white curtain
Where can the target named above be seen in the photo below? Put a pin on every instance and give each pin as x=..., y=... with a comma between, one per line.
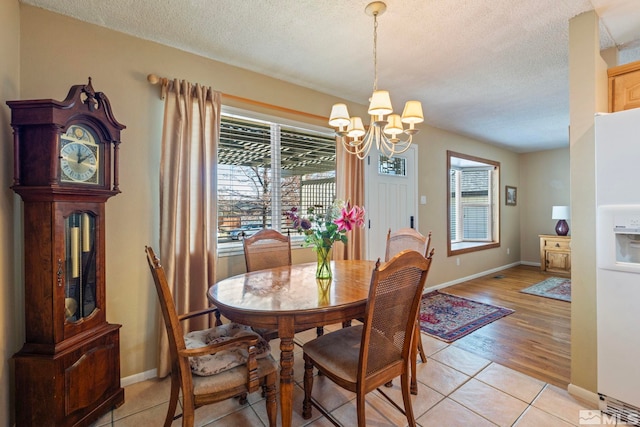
x=188, y=200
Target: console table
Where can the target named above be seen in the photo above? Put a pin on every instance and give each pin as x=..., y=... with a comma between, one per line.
x=555, y=254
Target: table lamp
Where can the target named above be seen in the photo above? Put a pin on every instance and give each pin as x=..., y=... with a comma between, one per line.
x=561, y=213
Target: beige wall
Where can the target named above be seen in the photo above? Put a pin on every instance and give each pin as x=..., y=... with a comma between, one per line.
x=544, y=182
x=10, y=294
x=433, y=181
x=119, y=65
x=588, y=95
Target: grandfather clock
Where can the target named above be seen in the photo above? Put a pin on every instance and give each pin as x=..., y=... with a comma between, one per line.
x=65, y=168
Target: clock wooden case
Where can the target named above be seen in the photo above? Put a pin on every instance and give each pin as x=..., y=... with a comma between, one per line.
x=65, y=169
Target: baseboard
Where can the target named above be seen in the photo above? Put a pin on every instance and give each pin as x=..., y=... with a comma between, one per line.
x=473, y=276
x=583, y=394
x=532, y=264
x=136, y=378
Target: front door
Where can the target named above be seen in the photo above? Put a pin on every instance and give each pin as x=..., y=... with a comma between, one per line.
x=390, y=197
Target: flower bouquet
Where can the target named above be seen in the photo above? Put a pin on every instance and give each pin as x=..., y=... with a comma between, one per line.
x=322, y=230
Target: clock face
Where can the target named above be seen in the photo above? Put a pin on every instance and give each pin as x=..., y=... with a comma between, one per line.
x=79, y=156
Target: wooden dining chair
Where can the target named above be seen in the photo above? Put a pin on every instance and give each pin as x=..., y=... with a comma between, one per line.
x=362, y=358
x=406, y=238
x=268, y=249
x=402, y=239
x=215, y=364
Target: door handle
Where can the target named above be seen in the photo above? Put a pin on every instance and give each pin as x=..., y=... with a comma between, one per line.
x=411, y=221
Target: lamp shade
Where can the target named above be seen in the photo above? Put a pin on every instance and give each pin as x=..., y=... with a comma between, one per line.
x=380, y=103
x=560, y=212
x=412, y=112
x=394, y=127
x=355, y=128
x=339, y=115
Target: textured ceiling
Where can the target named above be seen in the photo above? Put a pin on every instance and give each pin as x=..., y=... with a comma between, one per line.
x=495, y=70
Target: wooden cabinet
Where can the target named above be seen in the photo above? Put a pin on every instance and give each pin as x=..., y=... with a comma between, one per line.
x=624, y=87
x=555, y=254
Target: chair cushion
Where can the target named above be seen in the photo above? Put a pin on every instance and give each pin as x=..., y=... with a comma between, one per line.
x=212, y=364
x=231, y=378
x=337, y=352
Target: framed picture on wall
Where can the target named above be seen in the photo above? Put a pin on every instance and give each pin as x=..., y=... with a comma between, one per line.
x=511, y=195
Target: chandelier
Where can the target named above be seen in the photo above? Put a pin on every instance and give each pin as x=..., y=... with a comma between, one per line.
x=383, y=131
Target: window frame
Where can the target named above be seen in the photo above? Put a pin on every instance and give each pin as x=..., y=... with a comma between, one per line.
x=472, y=245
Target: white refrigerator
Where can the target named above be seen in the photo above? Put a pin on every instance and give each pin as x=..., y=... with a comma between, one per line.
x=617, y=152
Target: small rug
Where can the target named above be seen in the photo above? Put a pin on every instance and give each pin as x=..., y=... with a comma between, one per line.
x=553, y=287
x=449, y=317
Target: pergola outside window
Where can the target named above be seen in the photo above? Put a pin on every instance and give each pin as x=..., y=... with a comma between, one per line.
x=266, y=168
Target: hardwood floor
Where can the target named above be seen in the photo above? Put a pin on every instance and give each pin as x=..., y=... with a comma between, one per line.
x=535, y=340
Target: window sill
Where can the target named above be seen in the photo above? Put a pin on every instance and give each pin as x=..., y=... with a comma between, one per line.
x=466, y=247
x=229, y=249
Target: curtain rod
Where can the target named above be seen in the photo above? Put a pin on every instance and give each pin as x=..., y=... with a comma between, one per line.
x=153, y=79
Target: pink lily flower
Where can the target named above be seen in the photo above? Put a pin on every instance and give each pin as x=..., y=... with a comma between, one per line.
x=350, y=217
x=359, y=216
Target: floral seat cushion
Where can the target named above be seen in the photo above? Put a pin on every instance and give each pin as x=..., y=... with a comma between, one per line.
x=223, y=360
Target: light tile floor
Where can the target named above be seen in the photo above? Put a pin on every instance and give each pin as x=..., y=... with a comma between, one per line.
x=455, y=388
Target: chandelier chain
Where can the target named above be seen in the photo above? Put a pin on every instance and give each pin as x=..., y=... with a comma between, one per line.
x=375, y=52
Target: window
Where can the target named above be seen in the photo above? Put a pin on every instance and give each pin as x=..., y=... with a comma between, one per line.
x=265, y=168
x=396, y=166
x=473, y=203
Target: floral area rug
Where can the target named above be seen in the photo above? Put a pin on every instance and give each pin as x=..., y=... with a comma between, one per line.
x=553, y=287
x=449, y=317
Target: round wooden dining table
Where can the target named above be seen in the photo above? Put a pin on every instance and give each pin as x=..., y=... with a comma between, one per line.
x=290, y=299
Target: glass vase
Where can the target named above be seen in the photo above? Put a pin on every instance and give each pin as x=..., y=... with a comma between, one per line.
x=324, y=291
x=323, y=270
